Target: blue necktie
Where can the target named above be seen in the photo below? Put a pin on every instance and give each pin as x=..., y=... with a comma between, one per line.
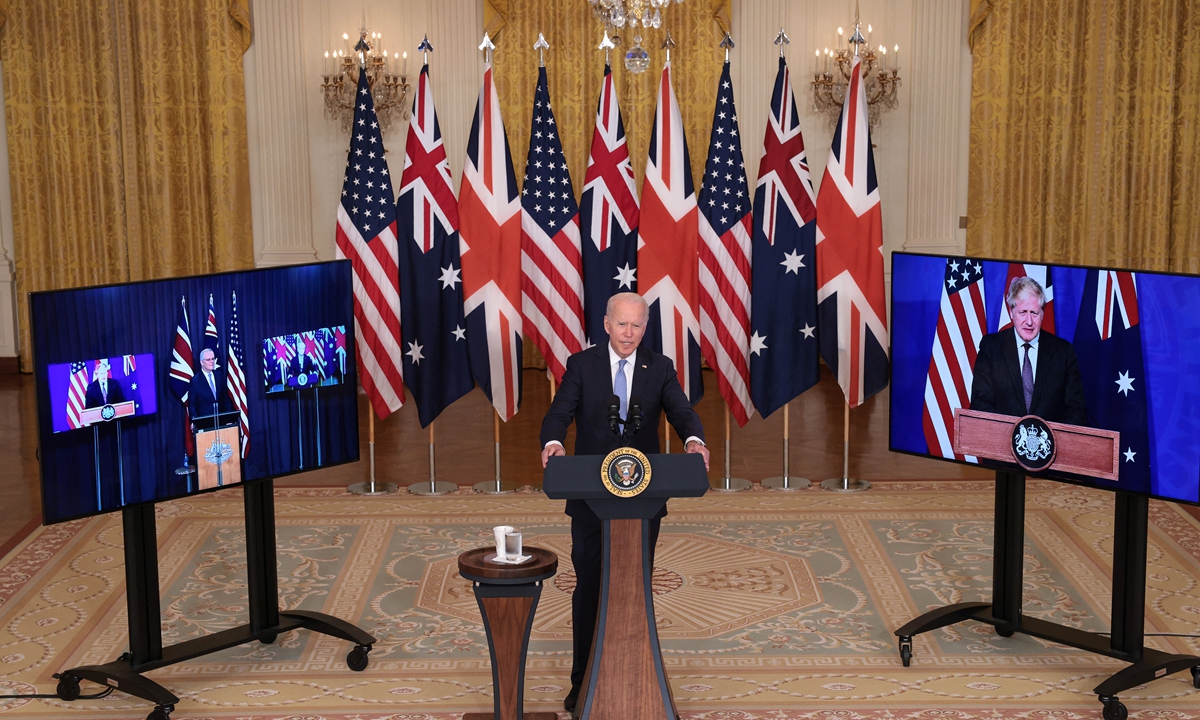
x=621, y=386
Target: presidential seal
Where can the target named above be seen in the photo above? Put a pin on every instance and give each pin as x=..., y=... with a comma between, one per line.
x=625, y=472
x=1033, y=444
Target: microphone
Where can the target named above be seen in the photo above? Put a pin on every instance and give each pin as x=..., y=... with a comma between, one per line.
x=614, y=414
x=635, y=416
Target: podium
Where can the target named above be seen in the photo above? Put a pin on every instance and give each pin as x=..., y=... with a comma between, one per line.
x=218, y=450
x=625, y=676
x=1080, y=450
x=106, y=413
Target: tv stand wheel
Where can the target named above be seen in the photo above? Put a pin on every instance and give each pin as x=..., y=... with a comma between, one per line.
x=1196, y=677
x=160, y=712
x=68, y=688
x=268, y=639
x=1113, y=709
x=356, y=659
x=1004, y=631
x=906, y=649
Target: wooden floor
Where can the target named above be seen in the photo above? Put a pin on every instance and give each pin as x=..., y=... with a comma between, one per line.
x=465, y=449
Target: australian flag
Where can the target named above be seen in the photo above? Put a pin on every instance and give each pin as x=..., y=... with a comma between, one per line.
x=784, y=354
x=433, y=332
x=1108, y=342
x=608, y=214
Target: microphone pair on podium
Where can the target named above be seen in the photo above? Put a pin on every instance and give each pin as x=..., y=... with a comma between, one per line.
x=632, y=424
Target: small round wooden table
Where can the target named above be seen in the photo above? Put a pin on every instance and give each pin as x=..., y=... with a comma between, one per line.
x=508, y=597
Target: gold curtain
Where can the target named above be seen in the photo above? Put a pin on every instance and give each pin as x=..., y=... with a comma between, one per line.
x=127, y=141
x=1083, y=132
x=575, y=69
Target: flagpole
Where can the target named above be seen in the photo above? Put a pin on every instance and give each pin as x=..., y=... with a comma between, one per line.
x=497, y=486
x=786, y=481
x=726, y=483
x=435, y=487
x=845, y=483
x=370, y=487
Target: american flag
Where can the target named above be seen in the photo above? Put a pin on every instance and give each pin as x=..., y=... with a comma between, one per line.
x=366, y=234
x=210, y=329
x=437, y=368
x=1042, y=274
x=129, y=363
x=181, y=374
x=961, y=324
x=77, y=394
x=551, y=264
x=851, y=304
x=489, y=209
x=668, y=244
x=608, y=215
x=725, y=257
x=235, y=376
x=784, y=355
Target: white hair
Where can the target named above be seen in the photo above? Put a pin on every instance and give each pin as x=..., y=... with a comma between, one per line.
x=627, y=297
x=1021, y=286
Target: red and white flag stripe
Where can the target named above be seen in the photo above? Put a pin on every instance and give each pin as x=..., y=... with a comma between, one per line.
x=962, y=323
x=725, y=312
x=552, y=292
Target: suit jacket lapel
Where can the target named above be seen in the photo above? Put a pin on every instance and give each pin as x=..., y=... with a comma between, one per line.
x=1012, y=360
x=1045, y=359
x=641, y=369
x=603, y=372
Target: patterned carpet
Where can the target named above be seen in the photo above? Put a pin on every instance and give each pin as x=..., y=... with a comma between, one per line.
x=770, y=605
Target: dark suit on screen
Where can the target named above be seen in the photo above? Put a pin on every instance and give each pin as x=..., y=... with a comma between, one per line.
x=583, y=398
x=95, y=398
x=1057, y=386
x=202, y=399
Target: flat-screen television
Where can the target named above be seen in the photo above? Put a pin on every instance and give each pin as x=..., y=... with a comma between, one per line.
x=1116, y=350
x=303, y=360
x=144, y=388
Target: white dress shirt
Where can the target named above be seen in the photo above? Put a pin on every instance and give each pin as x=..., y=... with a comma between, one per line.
x=1033, y=352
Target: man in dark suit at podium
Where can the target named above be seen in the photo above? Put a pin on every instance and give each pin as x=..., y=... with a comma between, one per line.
x=1024, y=371
x=635, y=375
x=207, y=396
x=103, y=390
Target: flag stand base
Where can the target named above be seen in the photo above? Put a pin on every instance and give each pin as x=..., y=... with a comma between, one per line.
x=845, y=485
x=786, y=483
x=496, y=487
x=371, y=488
x=438, y=487
x=730, y=484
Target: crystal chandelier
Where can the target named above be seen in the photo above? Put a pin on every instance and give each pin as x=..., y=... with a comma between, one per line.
x=616, y=14
x=339, y=81
x=881, y=75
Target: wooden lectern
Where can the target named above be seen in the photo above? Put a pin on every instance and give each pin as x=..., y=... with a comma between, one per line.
x=625, y=677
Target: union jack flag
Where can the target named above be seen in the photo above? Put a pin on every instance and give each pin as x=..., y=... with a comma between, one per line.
x=1042, y=274
x=851, y=304
x=489, y=209
x=437, y=368
x=668, y=244
x=784, y=355
x=314, y=350
x=235, y=377
x=724, y=253
x=962, y=323
x=77, y=394
x=182, y=371
x=608, y=215
x=551, y=264
x=366, y=234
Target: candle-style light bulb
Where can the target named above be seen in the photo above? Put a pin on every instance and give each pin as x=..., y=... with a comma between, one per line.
x=345, y=36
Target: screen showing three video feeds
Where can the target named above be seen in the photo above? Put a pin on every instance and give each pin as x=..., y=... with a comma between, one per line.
x=1112, y=350
x=142, y=387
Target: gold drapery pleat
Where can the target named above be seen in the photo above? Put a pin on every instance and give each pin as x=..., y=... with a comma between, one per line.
x=1083, y=132
x=575, y=69
x=127, y=141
